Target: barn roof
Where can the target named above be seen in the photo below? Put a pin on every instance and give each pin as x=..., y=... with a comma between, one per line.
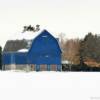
x=28, y=35
x=44, y=34
x=21, y=41
x=15, y=45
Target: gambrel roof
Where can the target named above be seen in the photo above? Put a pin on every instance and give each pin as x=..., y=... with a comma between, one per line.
x=21, y=41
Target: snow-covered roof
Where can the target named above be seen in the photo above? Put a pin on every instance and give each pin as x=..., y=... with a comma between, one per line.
x=28, y=35
x=65, y=62
x=23, y=50
x=20, y=41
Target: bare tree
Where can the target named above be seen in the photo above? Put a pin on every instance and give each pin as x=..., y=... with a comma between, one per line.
x=71, y=51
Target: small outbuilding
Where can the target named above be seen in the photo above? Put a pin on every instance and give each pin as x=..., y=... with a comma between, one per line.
x=43, y=54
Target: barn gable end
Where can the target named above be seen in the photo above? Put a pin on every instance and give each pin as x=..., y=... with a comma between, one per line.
x=45, y=50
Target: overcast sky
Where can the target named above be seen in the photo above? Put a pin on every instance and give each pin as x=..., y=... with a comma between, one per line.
x=75, y=18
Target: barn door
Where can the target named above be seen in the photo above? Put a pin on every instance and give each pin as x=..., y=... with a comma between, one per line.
x=37, y=67
x=43, y=67
x=53, y=67
x=33, y=67
x=59, y=68
x=48, y=68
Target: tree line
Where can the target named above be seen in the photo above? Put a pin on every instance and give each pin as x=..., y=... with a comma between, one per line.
x=82, y=51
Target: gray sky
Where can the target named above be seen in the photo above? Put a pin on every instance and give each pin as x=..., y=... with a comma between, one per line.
x=75, y=18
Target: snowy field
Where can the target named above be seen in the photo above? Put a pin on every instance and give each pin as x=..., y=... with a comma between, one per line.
x=49, y=85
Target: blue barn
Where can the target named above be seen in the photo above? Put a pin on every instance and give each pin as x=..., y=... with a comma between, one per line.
x=44, y=54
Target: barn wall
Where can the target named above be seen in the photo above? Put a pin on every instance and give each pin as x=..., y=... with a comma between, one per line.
x=9, y=67
x=23, y=67
x=16, y=67
x=33, y=67
x=45, y=50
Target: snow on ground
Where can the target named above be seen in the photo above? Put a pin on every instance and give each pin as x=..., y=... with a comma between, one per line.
x=49, y=85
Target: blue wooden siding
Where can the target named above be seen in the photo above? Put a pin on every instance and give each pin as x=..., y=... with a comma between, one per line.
x=14, y=58
x=45, y=50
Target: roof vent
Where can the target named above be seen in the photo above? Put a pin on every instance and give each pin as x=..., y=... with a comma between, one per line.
x=44, y=36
